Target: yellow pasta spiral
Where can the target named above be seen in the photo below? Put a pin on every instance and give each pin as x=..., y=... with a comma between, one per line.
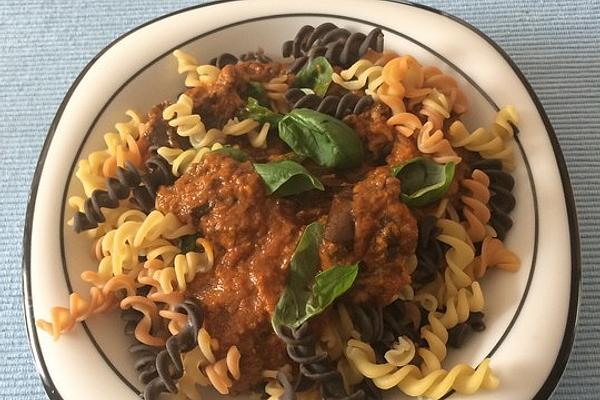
x=194, y=365
x=189, y=125
x=413, y=382
x=257, y=134
x=458, y=257
x=362, y=74
x=275, y=90
x=93, y=171
x=101, y=298
x=196, y=75
x=122, y=246
x=476, y=211
x=489, y=145
x=436, y=145
x=436, y=108
x=458, y=309
x=182, y=160
x=185, y=268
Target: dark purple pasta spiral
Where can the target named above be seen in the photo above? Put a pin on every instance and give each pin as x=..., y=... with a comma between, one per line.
x=144, y=355
x=258, y=55
x=338, y=45
x=169, y=364
x=223, y=59
x=143, y=189
x=337, y=107
x=314, y=367
x=502, y=201
x=429, y=252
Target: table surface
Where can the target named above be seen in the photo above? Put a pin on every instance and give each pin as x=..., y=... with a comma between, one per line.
x=44, y=44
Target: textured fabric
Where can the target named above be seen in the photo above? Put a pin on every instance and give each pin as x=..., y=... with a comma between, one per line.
x=44, y=44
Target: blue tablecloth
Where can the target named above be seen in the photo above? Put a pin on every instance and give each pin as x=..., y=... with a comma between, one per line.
x=44, y=45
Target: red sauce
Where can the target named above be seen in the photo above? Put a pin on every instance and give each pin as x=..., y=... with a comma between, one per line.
x=254, y=237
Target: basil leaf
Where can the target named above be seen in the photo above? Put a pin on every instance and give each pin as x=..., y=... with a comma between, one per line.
x=423, y=181
x=304, y=265
x=299, y=302
x=233, y=152
x=326, y=140
x=284, y=178
x=257, y=90
x=329, y=285
x=315, y=75
x=259, y=113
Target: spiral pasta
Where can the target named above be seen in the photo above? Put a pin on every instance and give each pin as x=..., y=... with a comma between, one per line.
x=257, y=134
x=489, y=145
x=182, y=160
x=494, y=254
x=410, y=380
x=436, y=145
x=436, y=108
x=121, y=247
x=188, y=125
x=403, y=77
x=338, y=45
x=194, y=365
x=102, y=298
x=185, y=267
x=169, y=362
x=120, y=147
x=196, y=75
x=338, y=107
x=221, y=373
x=502, y=201
x=362, y=74
x=476, y=211
x=458, y=256
x=405, y=123
x=276, y=89
x=436, y=79
x=458, y=309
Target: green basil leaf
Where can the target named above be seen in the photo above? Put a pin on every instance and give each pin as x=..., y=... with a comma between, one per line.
x=423, y=181
x=304, y=265
x=326, y=140
x=284, y=178
x=261, y=114
x=329, y=285
x=233, y=152
x=315, y=75
x=257, y=91
x=299, y=301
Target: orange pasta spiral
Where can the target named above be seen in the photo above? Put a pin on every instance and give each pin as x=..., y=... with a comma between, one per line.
x=220, y=373
x=101, y=299
x=435, y=79
x=494, y=254
x=143, y=330
x=476, y=210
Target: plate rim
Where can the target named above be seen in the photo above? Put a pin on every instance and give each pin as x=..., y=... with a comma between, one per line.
x=566, y=346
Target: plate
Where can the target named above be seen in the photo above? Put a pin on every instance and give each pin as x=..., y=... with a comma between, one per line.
x=530, y=315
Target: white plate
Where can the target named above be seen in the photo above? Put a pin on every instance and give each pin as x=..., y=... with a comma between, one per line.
x=530, y=315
